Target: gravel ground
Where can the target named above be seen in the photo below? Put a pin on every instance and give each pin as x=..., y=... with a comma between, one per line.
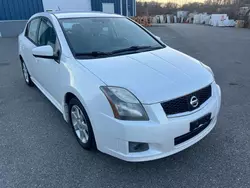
x=38, y=149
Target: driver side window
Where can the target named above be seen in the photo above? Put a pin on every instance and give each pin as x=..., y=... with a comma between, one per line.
x=47, y=36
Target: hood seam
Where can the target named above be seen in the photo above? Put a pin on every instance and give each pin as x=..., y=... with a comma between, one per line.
x=92, y=72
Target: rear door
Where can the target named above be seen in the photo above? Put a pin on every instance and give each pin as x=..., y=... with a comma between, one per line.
x=29, y=42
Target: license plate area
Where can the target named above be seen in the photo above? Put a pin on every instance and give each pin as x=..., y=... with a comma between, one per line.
x=199, y=123
x=196, y=127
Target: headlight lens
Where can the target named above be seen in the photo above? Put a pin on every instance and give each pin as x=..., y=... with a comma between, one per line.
x=208, y=68
x=124, y=104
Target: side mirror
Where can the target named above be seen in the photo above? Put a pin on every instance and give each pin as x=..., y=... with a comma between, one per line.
x=45, y=52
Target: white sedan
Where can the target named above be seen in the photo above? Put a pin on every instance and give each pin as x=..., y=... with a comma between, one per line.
x=120, y=87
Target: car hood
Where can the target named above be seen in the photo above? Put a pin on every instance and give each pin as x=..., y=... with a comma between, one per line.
x=152, y=76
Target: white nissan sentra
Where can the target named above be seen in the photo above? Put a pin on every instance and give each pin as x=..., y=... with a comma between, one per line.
x=119, y=86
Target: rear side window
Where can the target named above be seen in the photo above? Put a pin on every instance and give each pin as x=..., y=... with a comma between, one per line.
x=31, y=31
x=47, y=34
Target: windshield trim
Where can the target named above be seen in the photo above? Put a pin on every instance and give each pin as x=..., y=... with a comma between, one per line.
x=132, y=52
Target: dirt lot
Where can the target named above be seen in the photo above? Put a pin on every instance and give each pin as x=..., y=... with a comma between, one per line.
x=38, y=149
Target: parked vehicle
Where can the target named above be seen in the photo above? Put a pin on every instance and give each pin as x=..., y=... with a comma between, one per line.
x=120, y=87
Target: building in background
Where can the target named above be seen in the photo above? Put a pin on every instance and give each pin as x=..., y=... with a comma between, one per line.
x=23, y=9
x=14, y=13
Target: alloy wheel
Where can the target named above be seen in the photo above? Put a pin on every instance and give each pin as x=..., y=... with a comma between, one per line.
x=80, y=124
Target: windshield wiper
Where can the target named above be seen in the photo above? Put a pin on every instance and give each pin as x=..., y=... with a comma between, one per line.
x=132, y=48
x=135, y=48
x=93, y=54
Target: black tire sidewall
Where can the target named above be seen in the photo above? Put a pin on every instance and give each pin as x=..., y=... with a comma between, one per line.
x=30, y=83
x=91, y=141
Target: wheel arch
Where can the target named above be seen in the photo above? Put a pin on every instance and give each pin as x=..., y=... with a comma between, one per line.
x=72, y=93
x=75, y=94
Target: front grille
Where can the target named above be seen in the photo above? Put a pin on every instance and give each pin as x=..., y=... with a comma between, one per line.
x=182, y=104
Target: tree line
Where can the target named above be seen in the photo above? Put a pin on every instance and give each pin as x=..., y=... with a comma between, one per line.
x=230, y=7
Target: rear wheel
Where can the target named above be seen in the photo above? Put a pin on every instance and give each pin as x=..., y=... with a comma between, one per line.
x=81, y=125
x=26, y=74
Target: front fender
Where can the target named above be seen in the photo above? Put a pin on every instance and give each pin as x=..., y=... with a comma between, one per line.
x=86, y=87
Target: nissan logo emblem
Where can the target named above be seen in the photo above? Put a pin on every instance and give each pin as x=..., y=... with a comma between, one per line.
x=194, y=101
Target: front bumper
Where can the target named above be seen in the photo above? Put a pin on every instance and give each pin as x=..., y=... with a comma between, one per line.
x=159, y=132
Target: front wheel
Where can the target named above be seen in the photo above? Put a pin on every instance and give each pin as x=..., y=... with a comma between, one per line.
x=81, y=124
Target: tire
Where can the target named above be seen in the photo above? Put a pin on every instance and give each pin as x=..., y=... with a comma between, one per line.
x=26, y=75
x=81, y=125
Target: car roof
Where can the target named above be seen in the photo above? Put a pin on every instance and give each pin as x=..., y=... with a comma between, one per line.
x=80, y=14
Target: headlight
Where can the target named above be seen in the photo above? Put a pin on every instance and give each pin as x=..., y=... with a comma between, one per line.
x=208, y=68
x=124, y=104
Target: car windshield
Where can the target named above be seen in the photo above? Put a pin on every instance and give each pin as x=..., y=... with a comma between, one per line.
x=98, y=37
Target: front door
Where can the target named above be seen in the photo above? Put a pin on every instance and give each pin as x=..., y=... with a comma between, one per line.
x=48, y=70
